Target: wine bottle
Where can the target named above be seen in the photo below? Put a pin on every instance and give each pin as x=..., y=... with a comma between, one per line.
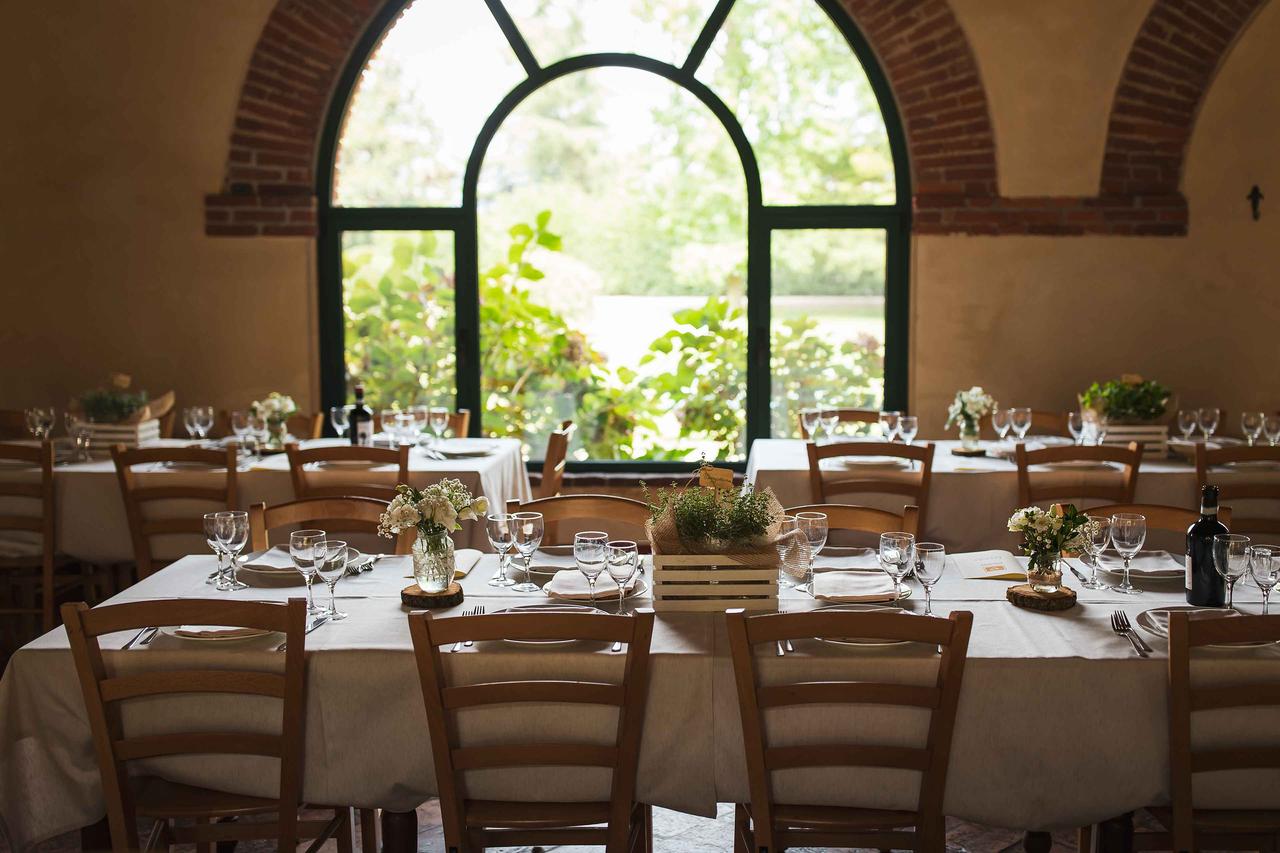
x=361, y=420
x=1205, y=587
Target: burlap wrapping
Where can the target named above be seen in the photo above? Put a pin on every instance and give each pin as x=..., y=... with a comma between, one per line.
x=759, y=553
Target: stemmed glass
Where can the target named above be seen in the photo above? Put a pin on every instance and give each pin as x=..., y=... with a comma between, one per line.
x=889, y=425
x=931, y=559
x=330, y=561
x=233, y=534
x=1020, y=420
x=787, y=541
x=202, y=418
x=78, y=432
x=1208, y=419
x=622, y=557
x=438, y=418
x=1128, y=532
x=339, y=416
x=1075, y=426
x=908, y=428
x=813, y=526
x=302, y=549
x=809, y=420
x=211, y=538
x=829, y=419
x=189, y=421
x=40, y=422
x=1264, y=565
x=242, y=429
x=1188, y=420
x=528, y=536
x=1094, y=544
x=1251, y=426
x=501, y=530
x=389, y=425
x=1271, y=428
x=421, y=421
x=1000, y=422
x=1231, y=559
x=588, y=553
x=897, y=555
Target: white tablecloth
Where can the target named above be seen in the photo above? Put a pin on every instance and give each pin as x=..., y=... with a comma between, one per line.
x=971, y=498
x=92, y=524
x=1101, y=710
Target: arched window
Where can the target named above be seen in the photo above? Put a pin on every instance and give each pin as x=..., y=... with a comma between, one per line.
x=674, y=221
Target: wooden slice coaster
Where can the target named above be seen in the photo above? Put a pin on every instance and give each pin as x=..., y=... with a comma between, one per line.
x=414, y=596
x=960, y=451
x=1024, y=596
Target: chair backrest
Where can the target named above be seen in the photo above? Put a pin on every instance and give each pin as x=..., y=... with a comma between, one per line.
x=823, y=484
x=553, y=463
x=1265, y=488
x=304, y=485
x=13, y=424
x=604, y=511
x=1172, y=519
x=865, y=519
x=444, y=701
x=103, y=693
x=344, y=515
x=138, y=500
x=306, y=426
x=1185, y=761
x=1117, y=491
x=30, y=507
x=940, y=700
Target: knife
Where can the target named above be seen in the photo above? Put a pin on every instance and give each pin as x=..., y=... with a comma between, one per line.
x=1140, y=641
x=319, y=620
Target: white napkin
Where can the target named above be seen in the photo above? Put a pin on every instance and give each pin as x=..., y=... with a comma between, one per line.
x=464, y=560
x=220, y=632
x=271, y=560
x=847, y=587
x=1143, y=561
x=572, y=585
x=997, y=565
x=547, y=562
x=868, y=559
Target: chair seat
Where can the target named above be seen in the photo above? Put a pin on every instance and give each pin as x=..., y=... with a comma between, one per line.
x=160, y=798
x=1224, y=820
x=498, y=814
x=840, y=818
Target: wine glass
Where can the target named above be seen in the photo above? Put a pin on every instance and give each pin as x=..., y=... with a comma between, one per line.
x=78, y=432
x=1251, y=426
x=421, y=421
x=501, y=530
x=339, y=416
x=438, y=417
x=388, y=419
x=1188, y=420
x=809, y=420
x=889, y=425
x=1264, y=565
x=302, y=548
x=829, y=419
x=330, y=562
x=1208, y=419
x=189, y=421
x=1099, y=534
x=897, y=555
x=621, y=558
x=202, y=418
x=908, y=428
x=1000, y=422
x=588, y=553
x=1271, y=428
x=931, y=559
x=40, y=422
x=1128, y=532
x=528, y=536
x=813, y=526
x=211, y=539
x=788, y=540
x=232, y=528
x=1075, y=426
x=1020, y=420
x=1231, y=559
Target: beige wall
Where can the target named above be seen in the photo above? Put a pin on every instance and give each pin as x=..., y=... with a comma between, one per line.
x=117, y=118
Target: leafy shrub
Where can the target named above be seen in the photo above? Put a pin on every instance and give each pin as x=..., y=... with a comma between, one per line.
x=1127, y=399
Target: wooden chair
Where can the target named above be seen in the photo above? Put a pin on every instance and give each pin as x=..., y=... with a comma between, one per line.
x=844, y=416
x=137, y=499
x=303, y=487
x=13, y=424
x=129, y=797
x=865, y=519
x=823, y=485
x=474, y=825
x=1265, y=488
x=33, y=513
x=1172, y=519
x=603, y=511
x=306, y=426
x=345, y=514
x=554, y=462
x=765, y=825
x=1130, y=457
x=1188, y=828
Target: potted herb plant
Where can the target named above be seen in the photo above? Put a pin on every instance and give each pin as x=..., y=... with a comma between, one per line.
x=1129, y=409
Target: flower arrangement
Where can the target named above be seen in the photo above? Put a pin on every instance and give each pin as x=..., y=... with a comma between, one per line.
x=968, y=408
x=435, y=512
x=1046, y=533
x=275, y=409
x=1129, y=399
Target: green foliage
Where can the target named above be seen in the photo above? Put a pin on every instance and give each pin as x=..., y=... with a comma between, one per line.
x=716, y=517
x=1127, y=399
x=111, y=405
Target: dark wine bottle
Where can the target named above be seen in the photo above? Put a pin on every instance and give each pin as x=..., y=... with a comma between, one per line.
x=361, y=420
x=1205, y=587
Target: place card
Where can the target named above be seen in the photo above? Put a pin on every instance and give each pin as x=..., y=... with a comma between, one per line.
x=994, y=565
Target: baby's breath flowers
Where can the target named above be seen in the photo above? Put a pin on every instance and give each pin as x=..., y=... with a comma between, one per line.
x=439, y=508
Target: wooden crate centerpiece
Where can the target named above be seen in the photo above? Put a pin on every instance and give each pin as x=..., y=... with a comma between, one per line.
x=713, y=582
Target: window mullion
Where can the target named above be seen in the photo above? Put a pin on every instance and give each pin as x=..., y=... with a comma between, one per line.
x=709, y=30
x=509, y=29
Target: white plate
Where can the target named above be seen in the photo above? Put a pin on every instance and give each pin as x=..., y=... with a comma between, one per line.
x=1080, y=464
x=1156, y=622
x=338, y=464
x=242, y=634
x=1114, y=565
x=549, y=607
x=854, y=462
x=463, y=448
x=862, y=608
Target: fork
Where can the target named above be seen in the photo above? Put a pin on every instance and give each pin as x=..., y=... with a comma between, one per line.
x=478, y=610
x=1123, y=619
x=470, y=611
x=1118, y=627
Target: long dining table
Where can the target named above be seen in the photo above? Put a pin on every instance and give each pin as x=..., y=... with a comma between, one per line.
x=1059, y=724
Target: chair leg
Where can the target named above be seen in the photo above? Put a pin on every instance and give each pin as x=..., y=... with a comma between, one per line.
x=648, y=828
x=369, y=840
x=343, y=835
x=203, y=846
x=1084, y=839
x=743, y=840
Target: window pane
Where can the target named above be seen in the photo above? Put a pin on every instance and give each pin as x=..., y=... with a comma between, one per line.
x=558, y=29
x=411, y=125
x=613, y=257
x=398, y=311
x=828, y=322
x=802, y=97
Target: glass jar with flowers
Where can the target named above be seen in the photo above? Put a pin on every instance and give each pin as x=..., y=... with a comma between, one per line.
x=1046, y=534
x=966, y=411
x=435, y=512
x=275, y=410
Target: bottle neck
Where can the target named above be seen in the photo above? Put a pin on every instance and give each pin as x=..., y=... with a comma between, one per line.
x=1208, y=510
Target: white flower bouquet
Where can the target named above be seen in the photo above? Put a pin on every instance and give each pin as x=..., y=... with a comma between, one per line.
x=275, y=409
x=439, y=508
x=1047, y=533
x=968, y=408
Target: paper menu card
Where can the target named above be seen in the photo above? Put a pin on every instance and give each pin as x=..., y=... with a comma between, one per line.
x=996, y=565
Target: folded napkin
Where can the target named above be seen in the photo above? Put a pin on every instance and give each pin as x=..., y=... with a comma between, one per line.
x=271, y=560
x=464, y=560
x=572, y=585
x=1143, y=561
x=549, y=562
x=866, y=559
x=216, y=632
x=848, y=587
x=997, y=565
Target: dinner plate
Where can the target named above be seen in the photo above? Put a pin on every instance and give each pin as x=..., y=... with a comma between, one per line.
x=1079, y=464
x=1156, y=622
x=861, y=608
x=548, y=607
x=463, y=448
x=1114, y=565
x=640, y=588
x=854, y=462
x=339, y=464
x=176, y=631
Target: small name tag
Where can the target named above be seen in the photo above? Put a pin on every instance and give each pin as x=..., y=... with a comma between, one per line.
x=715, y=478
